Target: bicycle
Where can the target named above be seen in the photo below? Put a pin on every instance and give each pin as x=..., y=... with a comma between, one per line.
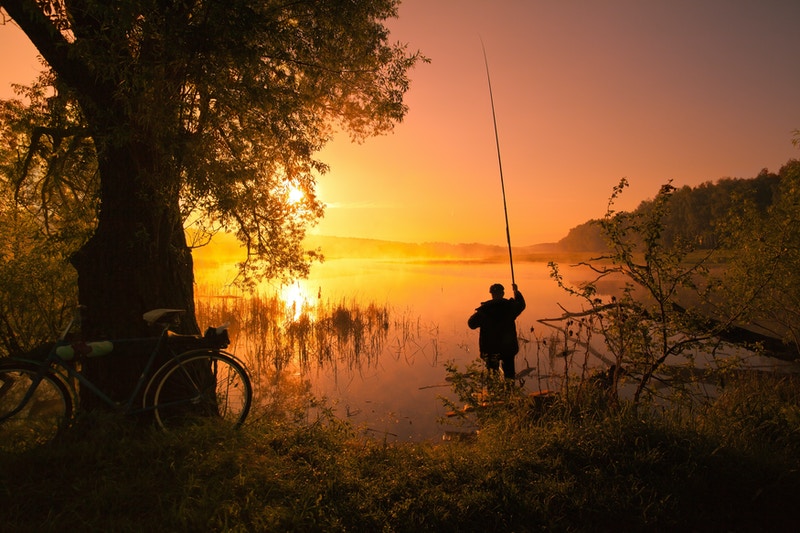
x=39, y=396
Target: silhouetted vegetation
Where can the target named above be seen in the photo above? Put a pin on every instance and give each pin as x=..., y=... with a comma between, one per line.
x=698, y=215
x=732, y=465
x=717, y=260
x=661, y=314
x=153, y=117
x=273, y=336
x=577, y=462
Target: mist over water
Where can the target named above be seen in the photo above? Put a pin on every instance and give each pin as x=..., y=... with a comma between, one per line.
x=396, y=394
x=392, y=388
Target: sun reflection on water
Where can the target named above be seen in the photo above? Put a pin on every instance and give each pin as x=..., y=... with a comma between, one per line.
x=298, y=301
x=377, y=338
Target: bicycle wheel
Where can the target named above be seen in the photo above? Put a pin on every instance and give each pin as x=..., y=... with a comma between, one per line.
x=34, y=407
x=200, y=385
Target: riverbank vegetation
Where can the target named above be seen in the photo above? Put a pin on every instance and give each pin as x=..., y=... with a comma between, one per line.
x=733, y=244
x=682, y=296
x=583, y=458
x=730, y=465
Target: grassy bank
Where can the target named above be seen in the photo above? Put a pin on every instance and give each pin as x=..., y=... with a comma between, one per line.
x=731, y=466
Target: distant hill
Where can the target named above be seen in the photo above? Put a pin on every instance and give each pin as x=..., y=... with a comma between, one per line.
x=694, y=215
x=355, y=248
x=225, y=250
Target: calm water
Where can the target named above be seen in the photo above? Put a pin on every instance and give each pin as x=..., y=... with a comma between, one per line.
x=399, y=396
x=396, y=395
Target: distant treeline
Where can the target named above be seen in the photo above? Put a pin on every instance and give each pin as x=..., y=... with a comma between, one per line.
x=696, y=214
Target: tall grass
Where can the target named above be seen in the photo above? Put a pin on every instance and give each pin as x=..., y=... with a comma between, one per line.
x=733, y=466
x=272, y=336
x=566, y=462
x=283, y=345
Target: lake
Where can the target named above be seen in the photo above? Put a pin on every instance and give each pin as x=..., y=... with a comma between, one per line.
x=396, y=395
x=399, y=395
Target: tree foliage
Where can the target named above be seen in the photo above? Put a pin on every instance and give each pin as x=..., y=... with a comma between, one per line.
x=202, y=112
x=48, y=180
x=38, y=285
x=765, y=267
x=239, y=96
x=698, y=215
x=208, y=112
x=697, y=267
x=48, y=162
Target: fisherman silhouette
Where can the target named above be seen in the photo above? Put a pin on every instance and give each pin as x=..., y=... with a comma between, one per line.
x=498, y=330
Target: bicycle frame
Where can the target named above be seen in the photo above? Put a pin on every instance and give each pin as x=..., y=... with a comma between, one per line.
x=65, y=371
x=196, y=378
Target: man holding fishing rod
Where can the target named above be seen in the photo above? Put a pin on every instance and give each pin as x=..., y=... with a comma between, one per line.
x=496, y=319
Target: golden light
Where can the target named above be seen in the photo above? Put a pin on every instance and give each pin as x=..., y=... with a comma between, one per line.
x=297, y=300
x=295, y=194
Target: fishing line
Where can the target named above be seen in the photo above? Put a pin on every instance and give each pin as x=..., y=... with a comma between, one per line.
x=499, y=162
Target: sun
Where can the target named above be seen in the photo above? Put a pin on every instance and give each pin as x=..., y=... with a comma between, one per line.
x=295, y=195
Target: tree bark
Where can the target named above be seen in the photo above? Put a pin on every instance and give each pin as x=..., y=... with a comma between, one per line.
x=137, y=260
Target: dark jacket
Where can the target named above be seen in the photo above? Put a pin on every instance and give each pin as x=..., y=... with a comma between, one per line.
x=495, y=318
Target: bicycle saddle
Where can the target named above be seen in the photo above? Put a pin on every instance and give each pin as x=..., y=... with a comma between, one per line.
x=162, y=316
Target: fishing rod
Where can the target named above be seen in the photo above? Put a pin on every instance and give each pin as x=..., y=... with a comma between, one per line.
x=499, y=163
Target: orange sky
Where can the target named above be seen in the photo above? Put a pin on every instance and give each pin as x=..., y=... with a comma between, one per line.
x=585, y=93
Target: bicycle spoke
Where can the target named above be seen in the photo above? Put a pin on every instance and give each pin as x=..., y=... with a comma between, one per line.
x=33, y=408
x=205, y=385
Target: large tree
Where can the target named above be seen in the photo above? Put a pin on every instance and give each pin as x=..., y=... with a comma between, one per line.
x=210, y=107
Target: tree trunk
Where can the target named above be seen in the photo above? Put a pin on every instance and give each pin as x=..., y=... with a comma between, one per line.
x=137, y=260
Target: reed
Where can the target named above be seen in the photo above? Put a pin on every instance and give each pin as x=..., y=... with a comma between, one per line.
x=273, y=335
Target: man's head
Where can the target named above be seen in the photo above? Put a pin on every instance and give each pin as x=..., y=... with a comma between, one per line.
x=497, y=290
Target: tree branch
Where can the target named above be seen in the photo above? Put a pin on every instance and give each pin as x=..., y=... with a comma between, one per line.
x=51, y=43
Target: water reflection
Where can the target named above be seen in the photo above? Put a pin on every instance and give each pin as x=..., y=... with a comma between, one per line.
x=374, y=336
x=297, y=301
